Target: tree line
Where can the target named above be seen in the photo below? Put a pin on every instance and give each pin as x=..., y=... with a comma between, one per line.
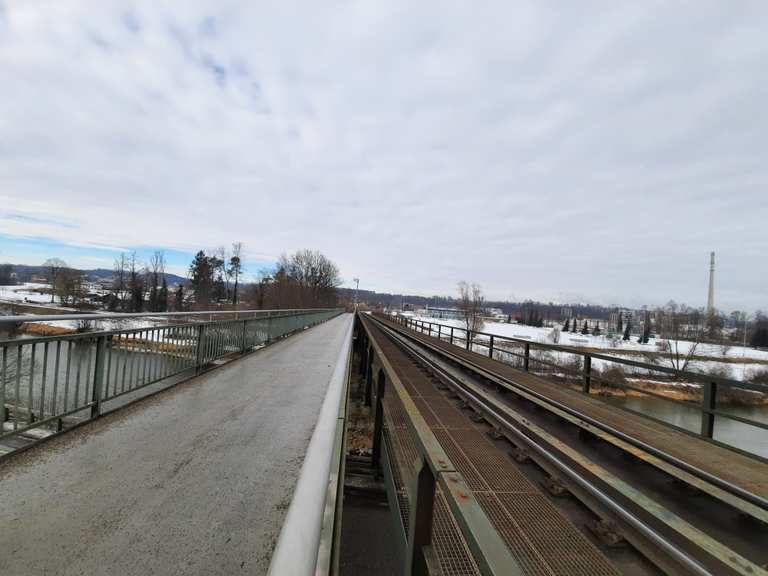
x=304, y=279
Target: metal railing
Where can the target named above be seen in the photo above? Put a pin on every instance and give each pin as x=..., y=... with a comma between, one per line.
x=432, y=471
x=309, y=538
x=46, y=380
x=582, y=374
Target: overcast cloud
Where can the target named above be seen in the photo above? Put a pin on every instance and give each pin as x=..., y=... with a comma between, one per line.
x=566, y=150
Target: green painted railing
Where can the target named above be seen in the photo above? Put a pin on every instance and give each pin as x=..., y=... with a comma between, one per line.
x=45, y=380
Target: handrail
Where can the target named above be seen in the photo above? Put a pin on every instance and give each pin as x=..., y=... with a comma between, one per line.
x=15, y=319
x=255, y=315
x=608, y=358
x=708, y=406
x=300, y=550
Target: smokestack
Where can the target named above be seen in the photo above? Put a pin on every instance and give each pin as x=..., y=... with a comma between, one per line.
x=711, y=298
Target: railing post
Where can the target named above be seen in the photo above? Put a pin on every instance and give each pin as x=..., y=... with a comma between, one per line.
x=200, y=347
x=527, y=357
x=490, y=348
x=98, y=376
x=708, y=403
x=378, y=425
x=421, y=499
x=244, y=339
x=587, y=373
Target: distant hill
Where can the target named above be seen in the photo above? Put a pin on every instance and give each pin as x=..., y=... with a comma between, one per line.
x=24, y=272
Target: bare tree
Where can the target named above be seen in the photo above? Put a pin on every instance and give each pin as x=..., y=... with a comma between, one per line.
x=305, y=279
x=53, y=267
x=682, y=333
x=69, y=286
x=156, y=280
x=119, y=282
x=471, y=306
x=135, y=284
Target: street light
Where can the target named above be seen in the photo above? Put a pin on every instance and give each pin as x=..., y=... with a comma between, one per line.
x=357, y=285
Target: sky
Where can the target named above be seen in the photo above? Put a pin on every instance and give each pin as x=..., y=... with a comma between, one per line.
x=566, y=151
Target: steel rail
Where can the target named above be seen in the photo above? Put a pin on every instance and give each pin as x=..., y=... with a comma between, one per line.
x=693, y=535
x=488, y=549
x=724, y=485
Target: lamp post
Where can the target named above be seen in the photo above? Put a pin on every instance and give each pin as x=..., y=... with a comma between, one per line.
x=744, y=349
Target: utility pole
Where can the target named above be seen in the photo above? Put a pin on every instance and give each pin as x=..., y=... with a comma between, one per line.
x=744, y=349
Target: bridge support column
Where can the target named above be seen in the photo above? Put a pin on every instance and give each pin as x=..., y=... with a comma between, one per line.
x=422, y=500
x=378, y=423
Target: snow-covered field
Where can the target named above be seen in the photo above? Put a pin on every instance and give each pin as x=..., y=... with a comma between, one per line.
x=735, y=360
x=27, y=292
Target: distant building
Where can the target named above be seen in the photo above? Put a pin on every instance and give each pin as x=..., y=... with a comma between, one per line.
x=443, y=313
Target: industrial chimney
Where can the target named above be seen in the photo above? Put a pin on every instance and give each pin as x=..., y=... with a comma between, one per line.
x=711, y=298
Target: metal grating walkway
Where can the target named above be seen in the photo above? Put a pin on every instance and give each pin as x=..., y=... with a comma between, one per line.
x=538, y=535
x=747, y=473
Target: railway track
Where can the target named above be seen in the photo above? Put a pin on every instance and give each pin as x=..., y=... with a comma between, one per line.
x=683, y=518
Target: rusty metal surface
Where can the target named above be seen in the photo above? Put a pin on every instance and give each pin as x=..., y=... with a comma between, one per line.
x=544, y=543
x=733, y=467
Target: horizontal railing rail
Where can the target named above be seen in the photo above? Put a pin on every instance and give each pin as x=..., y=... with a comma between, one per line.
x=523, y=351
x=45, y=380
x=309, y=538
x=192, y=314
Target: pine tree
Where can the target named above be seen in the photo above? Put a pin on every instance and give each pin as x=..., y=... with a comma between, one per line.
x=162, y=297
x=760, y=335
x=201, y=273
x=179, y=299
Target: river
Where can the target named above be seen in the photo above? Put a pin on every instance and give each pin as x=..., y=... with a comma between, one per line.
x=743, y=436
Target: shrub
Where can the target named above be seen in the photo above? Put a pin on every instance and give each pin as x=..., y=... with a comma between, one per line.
x=612, y=376
x=758, y=376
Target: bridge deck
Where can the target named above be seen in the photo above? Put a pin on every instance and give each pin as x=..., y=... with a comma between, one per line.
x=740, y=470
x=195, y=480
x=543, y=540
